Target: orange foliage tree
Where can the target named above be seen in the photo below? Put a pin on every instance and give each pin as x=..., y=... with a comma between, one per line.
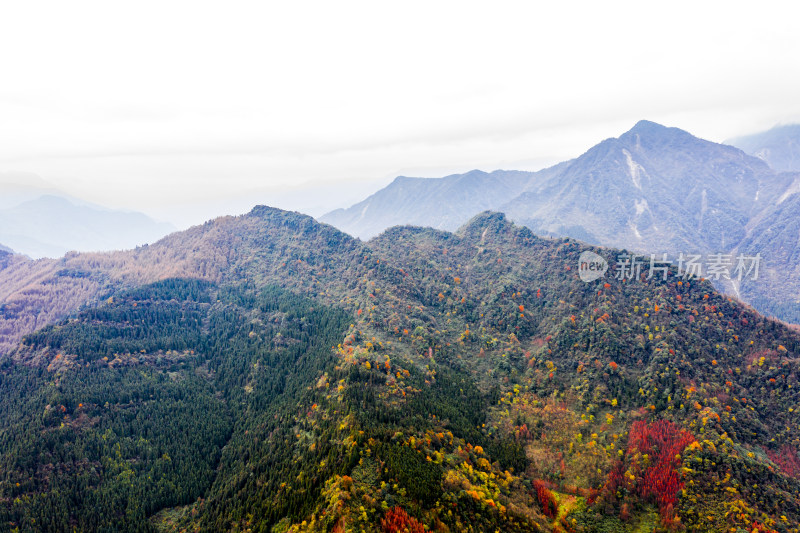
x=398, y=521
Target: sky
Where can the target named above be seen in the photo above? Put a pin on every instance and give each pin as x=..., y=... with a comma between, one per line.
x=189, y=110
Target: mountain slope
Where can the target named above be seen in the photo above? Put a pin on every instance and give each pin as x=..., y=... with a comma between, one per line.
x=36, y=293
x=778, y=147
x=466, y=381
x=142, y=425
x=775, y=235
x=50, y=226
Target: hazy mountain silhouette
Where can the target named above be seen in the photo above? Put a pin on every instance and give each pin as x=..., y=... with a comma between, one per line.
x=50, y=226
x=779, y=146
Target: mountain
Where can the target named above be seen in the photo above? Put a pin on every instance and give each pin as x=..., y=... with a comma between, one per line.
x=441, y=203
x=20, y=187
x=778, y=147
x=775, y=236
x=35, y=293
x=270, y=373
x=654, y=190
x=50, y=226
x=6, y=249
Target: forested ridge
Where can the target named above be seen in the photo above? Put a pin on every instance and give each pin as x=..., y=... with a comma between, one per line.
x=424, y=380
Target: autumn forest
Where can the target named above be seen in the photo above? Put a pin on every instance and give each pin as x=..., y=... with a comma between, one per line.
x=269, y=373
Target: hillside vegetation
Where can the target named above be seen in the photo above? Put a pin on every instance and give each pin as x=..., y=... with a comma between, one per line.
x=285, y=377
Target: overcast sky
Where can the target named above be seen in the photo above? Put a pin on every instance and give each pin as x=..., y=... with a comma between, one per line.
x=187, y=110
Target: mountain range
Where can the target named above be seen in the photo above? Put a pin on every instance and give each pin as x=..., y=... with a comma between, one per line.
x=654, y=190
x=39, y=220
x=270, y=373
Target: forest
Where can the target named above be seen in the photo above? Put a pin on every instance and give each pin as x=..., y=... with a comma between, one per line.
x=423, y=381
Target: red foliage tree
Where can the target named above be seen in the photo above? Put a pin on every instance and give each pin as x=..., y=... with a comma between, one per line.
x=613, y=481
x=546, y=499
x=660, y=482
x=786, y=458
x=398, y=521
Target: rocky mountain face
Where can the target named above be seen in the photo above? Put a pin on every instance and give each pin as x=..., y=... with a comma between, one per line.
x=270, y=373
x=654, y=190
x=778, y=147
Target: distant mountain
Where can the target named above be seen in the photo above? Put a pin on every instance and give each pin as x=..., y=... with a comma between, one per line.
x=50, y=226
x=20, y=187
x=440, y=203
x=270, y=373
x=5, y=249
x=779, y=147
x=652, y=190
x=775, y=235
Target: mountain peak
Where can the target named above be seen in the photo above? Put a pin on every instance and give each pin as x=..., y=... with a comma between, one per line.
x=647, y=126
x=293, y=223
x=47, y=201
x=491, y=221
x=266, y=211
x=274, y=214
x=653, y=136
x=487, y=218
